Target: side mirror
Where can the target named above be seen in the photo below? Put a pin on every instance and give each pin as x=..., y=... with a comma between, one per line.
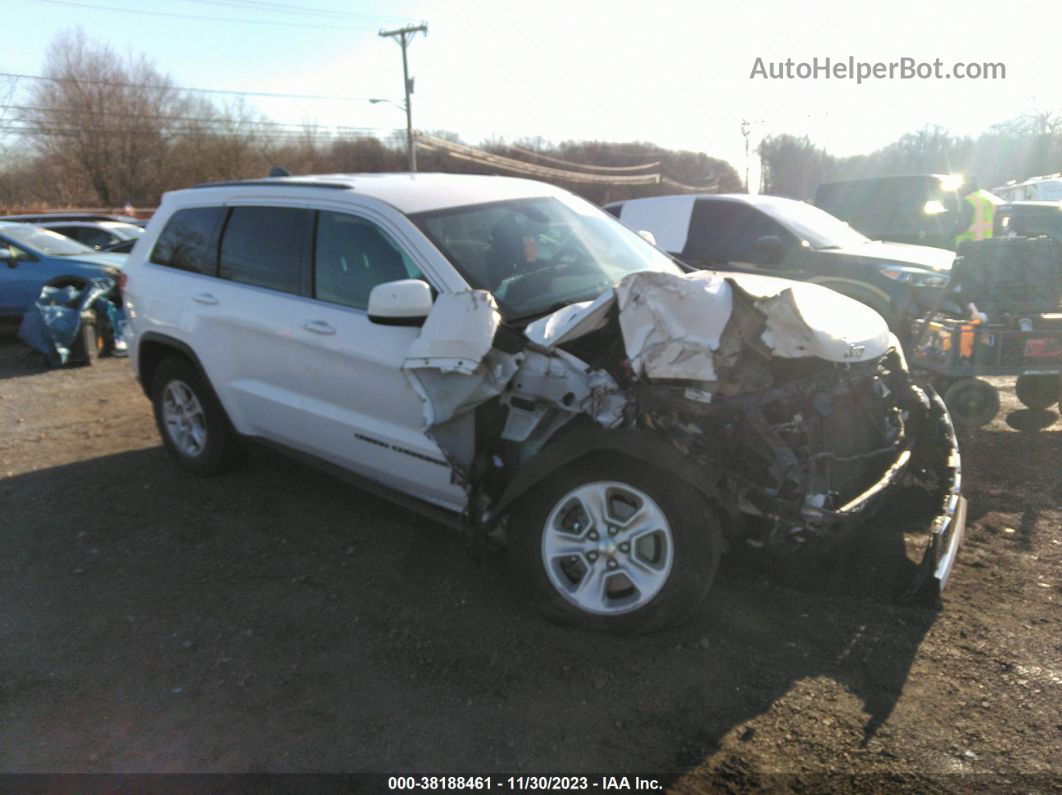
x=8, y=258
x=648, y=236
x=405, y=302
x=769, y=248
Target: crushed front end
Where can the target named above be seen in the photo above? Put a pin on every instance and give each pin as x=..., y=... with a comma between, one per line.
x=800, y=431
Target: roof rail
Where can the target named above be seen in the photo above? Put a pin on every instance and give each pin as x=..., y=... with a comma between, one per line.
x=275, y=183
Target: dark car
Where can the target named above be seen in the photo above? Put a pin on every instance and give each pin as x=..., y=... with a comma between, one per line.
x=925, y=209
x=783, y=237
x=1029, y=219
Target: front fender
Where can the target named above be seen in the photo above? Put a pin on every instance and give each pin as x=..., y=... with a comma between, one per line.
x=637, y=445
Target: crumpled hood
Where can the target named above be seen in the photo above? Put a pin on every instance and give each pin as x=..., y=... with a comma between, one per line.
x=805, y=319
x=934, y=259
x=672, y=324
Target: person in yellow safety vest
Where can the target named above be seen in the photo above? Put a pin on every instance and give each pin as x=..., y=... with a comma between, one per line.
x=984, y=204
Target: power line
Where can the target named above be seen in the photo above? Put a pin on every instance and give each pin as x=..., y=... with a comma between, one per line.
x=120, y=84
x=286, y=8
x=54, y=113
x=72, y=128
x=175, y=15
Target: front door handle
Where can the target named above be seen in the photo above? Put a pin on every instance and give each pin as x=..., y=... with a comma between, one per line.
x=318, y=327
x=204, y=298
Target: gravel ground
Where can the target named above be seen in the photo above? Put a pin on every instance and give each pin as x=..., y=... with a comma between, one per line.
x=277, y=620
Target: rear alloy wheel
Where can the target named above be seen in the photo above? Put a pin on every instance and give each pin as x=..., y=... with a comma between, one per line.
x=1039, y=391
x=624, y=549
x=972, y=402
x=190, y=419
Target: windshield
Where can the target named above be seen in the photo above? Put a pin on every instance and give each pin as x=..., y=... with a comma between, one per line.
x=535, y=255
x=43, y=241
x=816, y=226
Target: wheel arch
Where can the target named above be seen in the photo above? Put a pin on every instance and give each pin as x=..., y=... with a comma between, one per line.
x=637, y=446
x=153, y=348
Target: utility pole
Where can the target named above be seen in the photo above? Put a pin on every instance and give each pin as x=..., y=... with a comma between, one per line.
x=403, y=36
x=746, y=128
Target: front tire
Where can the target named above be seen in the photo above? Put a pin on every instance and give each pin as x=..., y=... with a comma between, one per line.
x=615, y=546
x=191, y=421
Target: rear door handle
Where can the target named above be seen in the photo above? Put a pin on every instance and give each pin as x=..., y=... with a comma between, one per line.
x=318, y=327
x=204, y=298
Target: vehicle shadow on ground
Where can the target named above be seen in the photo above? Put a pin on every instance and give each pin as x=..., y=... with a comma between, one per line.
x=1031, y=419
x=274, y=619
x=17, y=359
x=986, y=451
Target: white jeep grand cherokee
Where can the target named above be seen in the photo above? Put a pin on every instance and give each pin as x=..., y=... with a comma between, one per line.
x=508, y=358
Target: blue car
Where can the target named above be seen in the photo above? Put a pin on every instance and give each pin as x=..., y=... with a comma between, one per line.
x=32, y=258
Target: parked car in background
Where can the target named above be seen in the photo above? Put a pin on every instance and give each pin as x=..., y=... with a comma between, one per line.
x=782, y=237
x=32, y=258
x=925, y=209
x=121, y=247
x=36, y=218
x=1029, y=219
x=98, y=235
x=505, y=357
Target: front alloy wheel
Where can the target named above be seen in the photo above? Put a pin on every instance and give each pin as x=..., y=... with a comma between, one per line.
x=616, y=545
x=607, y=548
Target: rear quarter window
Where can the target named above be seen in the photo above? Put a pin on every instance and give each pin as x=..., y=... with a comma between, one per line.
x=189, y=240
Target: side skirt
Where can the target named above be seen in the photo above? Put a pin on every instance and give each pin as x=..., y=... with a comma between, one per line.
x=426, y=509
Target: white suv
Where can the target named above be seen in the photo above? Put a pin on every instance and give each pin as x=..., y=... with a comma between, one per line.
x=504, y=356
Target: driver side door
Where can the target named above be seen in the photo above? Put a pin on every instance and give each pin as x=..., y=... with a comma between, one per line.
x=360, y=412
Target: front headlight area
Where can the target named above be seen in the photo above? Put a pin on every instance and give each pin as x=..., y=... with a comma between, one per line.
x=915, y=277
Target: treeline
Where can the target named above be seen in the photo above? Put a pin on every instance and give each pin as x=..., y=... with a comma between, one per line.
x=103, y=130
x=1028, y=146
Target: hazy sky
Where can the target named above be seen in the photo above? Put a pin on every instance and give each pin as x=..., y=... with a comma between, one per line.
x=674, y=73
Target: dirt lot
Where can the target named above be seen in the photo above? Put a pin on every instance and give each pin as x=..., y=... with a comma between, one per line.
x=275, y=619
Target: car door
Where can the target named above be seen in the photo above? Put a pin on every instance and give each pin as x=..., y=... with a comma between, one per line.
x=243, y=320
x=359, y=410
x=22, y=275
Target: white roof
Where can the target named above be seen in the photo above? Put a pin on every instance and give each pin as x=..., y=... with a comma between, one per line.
x=409, y=193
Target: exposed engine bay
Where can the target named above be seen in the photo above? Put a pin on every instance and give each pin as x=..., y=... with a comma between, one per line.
x=789, y=406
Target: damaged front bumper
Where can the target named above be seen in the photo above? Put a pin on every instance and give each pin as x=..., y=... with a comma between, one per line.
x=949, y=525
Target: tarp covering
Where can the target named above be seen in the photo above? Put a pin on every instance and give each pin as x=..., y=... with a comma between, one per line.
x=53, y=323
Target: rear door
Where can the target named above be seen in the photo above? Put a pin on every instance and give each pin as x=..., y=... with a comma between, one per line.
x=243, y=321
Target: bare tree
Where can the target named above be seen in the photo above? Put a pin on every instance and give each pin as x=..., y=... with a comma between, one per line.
x=105, y=118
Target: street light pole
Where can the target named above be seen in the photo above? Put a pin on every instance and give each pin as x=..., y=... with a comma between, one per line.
x=403, y=36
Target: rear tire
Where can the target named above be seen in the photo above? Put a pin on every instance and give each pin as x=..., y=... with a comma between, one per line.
x=190, y=419
x=1039, y=391
x=616, y=546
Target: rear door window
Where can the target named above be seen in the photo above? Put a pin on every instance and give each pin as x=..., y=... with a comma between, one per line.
x=190, y=240
x=263, y=246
